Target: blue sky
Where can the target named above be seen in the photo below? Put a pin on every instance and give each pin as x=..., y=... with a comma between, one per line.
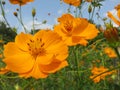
x=44, y=7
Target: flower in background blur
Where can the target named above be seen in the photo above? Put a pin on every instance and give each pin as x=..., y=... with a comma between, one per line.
x=118, y=14
x=73, y=2
x=20, y=2
x=96, y=71
x=36, y=56
x=112, y=35
x=110, y=52
x=75, y=30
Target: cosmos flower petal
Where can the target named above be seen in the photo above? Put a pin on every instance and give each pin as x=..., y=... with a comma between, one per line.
x=118, y=13
x=79, y=25
x=12, y=49
x=21, y=41
x=78, y=39
x=73, y=2
x=4, y=70
x=22, y=2
x=36, y=72
x=45, y=59
x=20, y=63
x=53, y=67
x=89, y=32
x=113, y=18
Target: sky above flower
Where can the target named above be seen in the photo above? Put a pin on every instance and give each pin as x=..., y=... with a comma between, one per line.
x=49, y=10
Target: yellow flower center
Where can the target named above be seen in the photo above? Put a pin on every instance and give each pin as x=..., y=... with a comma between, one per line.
x=36, y=47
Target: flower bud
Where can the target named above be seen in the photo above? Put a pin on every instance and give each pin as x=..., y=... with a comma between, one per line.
x=111, y=34
x=3, y=2
x=89, y=9
x=33, y=12
x=15, y=14
x=17, y=9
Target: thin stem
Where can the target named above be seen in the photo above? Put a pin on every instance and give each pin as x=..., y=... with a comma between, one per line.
x=117, y=52
x=3, y=14
x=33, y=26
x=93, y=12
x=20, y=20
x=75, y=52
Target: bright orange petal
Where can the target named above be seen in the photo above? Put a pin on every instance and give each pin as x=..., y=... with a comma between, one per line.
x=11, y=49
x=4, y=70
x=79, y=40
x=53, y=67
x=20, y=63
x=21, y=41
x=37, y=73
x=45, y=59
x=89, y=32
x=113, y=18
x=79, y=25
x=118, y=13
x=65, y=17
x=73, y=2
x=69, y=41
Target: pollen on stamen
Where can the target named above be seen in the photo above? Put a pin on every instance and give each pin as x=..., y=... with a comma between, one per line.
x=28, y=44
x=40, y=40
x=42, y=44
x=31, y=40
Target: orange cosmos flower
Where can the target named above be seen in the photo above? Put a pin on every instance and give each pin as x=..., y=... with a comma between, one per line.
x=36, y=56
x=4, y=70
x=73, y=2
x=96, y=71
x=118, y=14
x=20, y=2
x=75, y=30
x=110, y=52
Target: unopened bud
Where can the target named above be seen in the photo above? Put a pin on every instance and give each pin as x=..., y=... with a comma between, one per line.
x=15, y=14
x=17, y=9
x=33, y=12
x=117, y=7
x=3, y=2
x=112, y=34
x=90, y=9
x=44, y=22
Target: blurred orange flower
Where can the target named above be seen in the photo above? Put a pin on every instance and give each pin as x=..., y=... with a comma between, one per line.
x=20, y=2
x=4, y=70
x=75, y=30
x=1, y=55
x=73, y=2
x=36, y=56
x=96, y=71
x=110, y=52
x=118, y=14
x=1, y=41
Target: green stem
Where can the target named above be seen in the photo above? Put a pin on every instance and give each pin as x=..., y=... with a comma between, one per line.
x=33, y=26
x=93, y=12
x=76, y=64
x=117, y=52
x=20, y=20
x=3, y=14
